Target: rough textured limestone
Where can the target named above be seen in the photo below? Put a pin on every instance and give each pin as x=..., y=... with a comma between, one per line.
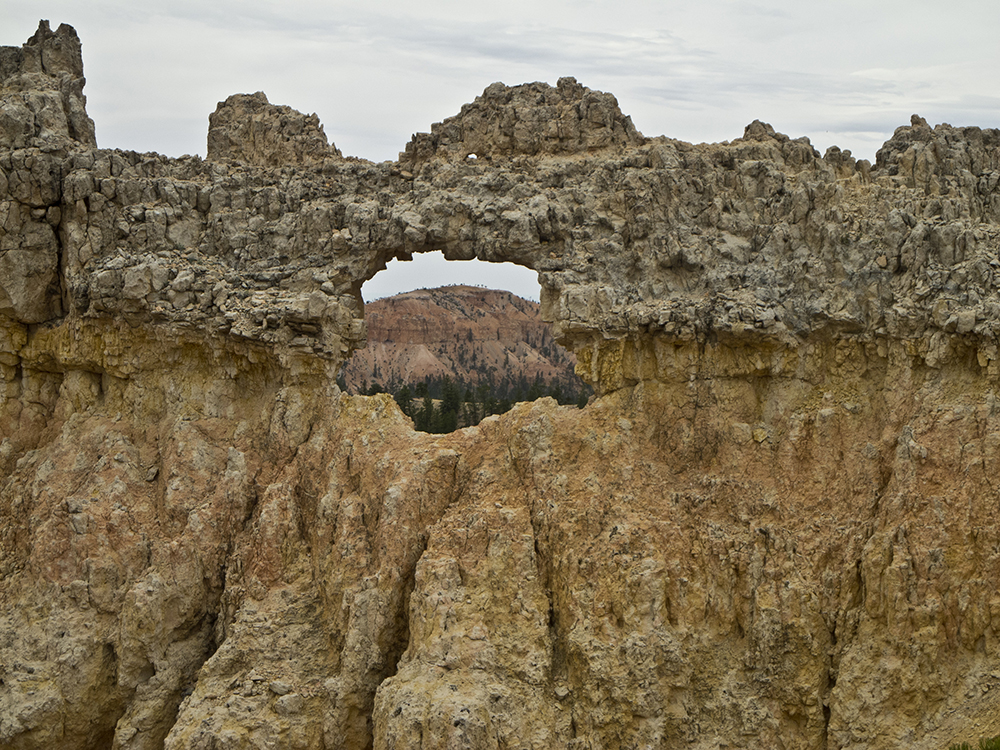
x=248, y=128
x=775, y=526
x=42, y=101
x=531, y=119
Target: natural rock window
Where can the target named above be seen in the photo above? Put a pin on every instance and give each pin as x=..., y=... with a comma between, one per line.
x=451, y=349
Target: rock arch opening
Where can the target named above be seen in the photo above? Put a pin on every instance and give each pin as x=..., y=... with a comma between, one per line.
x=457, y=341
x=431, y=270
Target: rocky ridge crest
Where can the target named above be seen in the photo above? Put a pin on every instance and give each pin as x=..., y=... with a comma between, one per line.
x=42, y=101
x=774, y=527
x=248, y=128
x=530, y=119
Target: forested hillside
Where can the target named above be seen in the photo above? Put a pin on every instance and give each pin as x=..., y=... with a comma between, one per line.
x=453, y=355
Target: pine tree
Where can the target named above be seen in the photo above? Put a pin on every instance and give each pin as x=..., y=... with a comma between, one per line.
x=451, y=399
x=537, y=390
x=427, y=415
x=403, y=398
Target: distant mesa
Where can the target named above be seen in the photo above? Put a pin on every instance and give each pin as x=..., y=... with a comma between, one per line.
x=469, y=334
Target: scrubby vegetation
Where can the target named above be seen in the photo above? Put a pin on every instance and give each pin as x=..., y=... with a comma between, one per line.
x=442, y=405
x=992, y=743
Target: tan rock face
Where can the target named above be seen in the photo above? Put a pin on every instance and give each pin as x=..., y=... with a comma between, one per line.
x=773, y=528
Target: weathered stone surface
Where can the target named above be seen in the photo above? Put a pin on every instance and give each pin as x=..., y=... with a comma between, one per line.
x=773, y=528
x=41, y=91
x=247, y=128
x=531, y=119
x=29, y=274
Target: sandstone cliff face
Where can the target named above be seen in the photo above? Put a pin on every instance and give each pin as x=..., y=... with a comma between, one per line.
x=775, y=527
x=463, y=332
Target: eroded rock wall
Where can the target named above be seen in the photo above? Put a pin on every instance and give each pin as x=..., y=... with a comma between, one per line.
x=477, y=336
x=774, y=527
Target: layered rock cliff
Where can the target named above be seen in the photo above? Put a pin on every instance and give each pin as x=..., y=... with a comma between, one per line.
x=466, y=333
x=775, y=527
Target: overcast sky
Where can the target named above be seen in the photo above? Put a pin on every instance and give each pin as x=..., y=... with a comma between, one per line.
x=844, y=73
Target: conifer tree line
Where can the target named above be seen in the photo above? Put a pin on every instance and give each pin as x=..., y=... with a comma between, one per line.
x=443, y=404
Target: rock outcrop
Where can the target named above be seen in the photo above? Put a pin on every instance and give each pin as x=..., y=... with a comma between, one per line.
x=532, y=119
x=41, y=91
x=247, y=128
x=774, y=527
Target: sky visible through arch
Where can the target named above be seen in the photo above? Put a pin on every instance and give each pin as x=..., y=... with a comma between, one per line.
x=428, y=270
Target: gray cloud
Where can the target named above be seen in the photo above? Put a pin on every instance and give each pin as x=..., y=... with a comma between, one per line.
x=377, y=73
